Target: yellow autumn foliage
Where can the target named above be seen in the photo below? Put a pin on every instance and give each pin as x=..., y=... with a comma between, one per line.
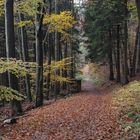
x=1, y=2
x=9, y=94
x=27, y=7
x=1, y=7
x=24, y=23
x=59, y=22
x=21, y=69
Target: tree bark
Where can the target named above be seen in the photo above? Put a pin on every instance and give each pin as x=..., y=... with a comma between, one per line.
x=39, y=57
x=138, y=11
x=125, y=75
x=111, y=75
x=118, y=78
x=49, y=54
x=25, y=56
x=65, y=71
x=133, y=67
x=57, y=53
x=10, y=51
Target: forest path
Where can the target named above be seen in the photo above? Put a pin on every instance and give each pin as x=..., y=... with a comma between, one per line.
x=84, y=116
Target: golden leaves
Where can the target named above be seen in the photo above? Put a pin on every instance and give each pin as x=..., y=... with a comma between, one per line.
x=28, y=7
x=1, y=2
x=24, y=23
x=16, y=67
x=60, y=66
x=9, y=94
x=1, y=7
x=61, y=23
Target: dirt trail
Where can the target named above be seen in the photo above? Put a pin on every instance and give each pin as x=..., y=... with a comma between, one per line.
x=85, y=116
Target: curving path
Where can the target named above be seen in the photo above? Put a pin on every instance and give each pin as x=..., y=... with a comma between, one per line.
x=84, y=116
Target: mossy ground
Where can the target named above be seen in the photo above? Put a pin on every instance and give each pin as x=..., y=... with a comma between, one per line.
x=127, y=100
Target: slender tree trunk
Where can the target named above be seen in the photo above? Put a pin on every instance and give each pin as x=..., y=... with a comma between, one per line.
x=133, y=67
x=65, y=56
x=111, y=76
x=138, y=11
x=72, y=72
x=53, y=46
x=118, y=55
x=49, y=55
x=125, y=75
x=57, y=53
x=4, y=76
x=24, y=46
x=10, y=51
x=138, y=61
x=39, y=57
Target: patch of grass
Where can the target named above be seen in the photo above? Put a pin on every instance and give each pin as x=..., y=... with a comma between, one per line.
x=127, y=100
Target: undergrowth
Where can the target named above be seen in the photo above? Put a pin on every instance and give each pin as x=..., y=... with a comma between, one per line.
x=127, y=101
x=98, y=74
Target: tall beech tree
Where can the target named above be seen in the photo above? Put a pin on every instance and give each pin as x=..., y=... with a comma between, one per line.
x=25, y=55
x=10, y=51
x=50, y=46
x=57, y=51
x=125, y=77
x=110, y=57
x=39, y=54
x=138, y=12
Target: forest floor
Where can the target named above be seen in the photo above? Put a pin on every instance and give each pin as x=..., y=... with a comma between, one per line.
x=87, y=115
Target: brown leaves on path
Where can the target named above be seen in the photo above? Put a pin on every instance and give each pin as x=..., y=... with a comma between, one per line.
x=84, y=116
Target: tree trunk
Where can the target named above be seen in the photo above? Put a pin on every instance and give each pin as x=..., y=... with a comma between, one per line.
x=125, y=75
x=118, y=55
x=133, y=67
x=57, y=53
x=65, y=71
x=138, y=11
x=111, y=75
x=49, y=55
x=10, y=51
x=24, y=46
x=39, y=57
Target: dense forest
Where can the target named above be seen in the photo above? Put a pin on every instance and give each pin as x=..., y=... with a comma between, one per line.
x=34, y=48
x=69, y=69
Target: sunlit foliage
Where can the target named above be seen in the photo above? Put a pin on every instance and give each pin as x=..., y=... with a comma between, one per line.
x=21, y=69
x=28, y=7
x=9, y=94
x=25, y=23
x=61, y=23
x=13, y=66
x=62, y=65
x=1, y=7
